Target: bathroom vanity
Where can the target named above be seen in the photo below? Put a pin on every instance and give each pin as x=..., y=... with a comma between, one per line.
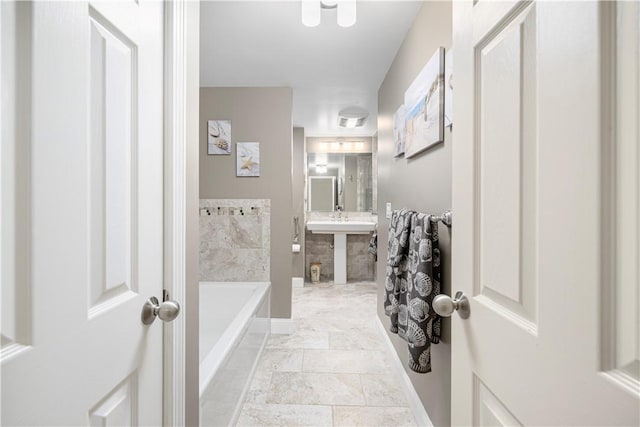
x=340, y=229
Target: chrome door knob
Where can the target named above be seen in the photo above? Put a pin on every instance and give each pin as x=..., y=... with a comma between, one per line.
x=166, y=311
x=445, y=306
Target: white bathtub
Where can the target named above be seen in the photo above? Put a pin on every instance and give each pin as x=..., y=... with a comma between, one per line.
x=234, y=326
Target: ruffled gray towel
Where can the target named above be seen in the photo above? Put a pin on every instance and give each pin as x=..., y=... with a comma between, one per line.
x=418, y=323
x=396, y=280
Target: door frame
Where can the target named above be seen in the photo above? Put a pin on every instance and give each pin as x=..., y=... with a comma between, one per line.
x=179, y=42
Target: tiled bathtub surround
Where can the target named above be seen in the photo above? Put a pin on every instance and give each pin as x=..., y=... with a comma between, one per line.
x=235, y=240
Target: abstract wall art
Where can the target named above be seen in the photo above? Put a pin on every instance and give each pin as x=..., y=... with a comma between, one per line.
x=424, y=107
x=398, y=132
x=448, y=88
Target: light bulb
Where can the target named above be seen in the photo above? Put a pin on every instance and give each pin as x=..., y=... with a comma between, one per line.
x=346, y=13
x=311, y=13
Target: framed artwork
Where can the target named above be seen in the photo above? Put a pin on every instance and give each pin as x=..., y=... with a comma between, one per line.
x=248, y=159
x=424, y=107
x=448, y=88
x=398, y=132
x=219, y=137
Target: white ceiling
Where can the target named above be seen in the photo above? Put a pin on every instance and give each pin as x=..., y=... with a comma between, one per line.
x=264, y=43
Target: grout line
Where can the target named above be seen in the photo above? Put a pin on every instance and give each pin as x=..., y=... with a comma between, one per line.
x=301, y=299
x=364, y=396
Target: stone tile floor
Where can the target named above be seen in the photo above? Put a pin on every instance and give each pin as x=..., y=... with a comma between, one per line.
x=332, y=371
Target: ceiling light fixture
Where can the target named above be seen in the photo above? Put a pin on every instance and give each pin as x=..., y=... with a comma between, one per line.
x=311, y=11
x=352, y=117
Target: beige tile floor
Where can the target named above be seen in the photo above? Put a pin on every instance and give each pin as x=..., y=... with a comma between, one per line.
x=332, y=371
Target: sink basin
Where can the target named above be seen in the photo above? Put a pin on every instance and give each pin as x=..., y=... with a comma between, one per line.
x=348, y=227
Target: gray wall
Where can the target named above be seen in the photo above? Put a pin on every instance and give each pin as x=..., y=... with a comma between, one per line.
x=257, y=115
x=422, y=184
x=298, y=163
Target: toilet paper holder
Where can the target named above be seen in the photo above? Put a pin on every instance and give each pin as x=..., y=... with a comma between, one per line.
x=296, y=230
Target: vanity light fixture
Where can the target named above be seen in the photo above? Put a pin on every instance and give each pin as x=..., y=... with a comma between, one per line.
x=338, y=146
x=321, y=168
x=311, y=11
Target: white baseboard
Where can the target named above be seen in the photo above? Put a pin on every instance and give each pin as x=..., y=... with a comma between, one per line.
x=281, y=326
x=415, y=404
x=297, y=282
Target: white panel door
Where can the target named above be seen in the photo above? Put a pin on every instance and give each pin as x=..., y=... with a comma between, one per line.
x=546, y=241
x=82, y=189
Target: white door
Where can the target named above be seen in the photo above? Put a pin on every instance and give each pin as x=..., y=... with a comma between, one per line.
x=546, y=232
x=82, y=153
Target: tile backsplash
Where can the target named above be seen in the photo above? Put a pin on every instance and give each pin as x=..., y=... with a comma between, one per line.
x=235, y=240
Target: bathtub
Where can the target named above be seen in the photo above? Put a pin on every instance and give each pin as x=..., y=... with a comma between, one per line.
x=234, y=327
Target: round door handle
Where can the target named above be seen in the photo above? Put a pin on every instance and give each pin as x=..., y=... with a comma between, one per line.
x=166, y=311
x=445, y=306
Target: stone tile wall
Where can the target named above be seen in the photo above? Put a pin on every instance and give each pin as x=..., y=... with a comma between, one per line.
x=360, y=263
x=235, y=240
x=318, y=248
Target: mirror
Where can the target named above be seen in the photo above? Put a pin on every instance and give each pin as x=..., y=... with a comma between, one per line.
x=343, y=179
x=322, y=193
